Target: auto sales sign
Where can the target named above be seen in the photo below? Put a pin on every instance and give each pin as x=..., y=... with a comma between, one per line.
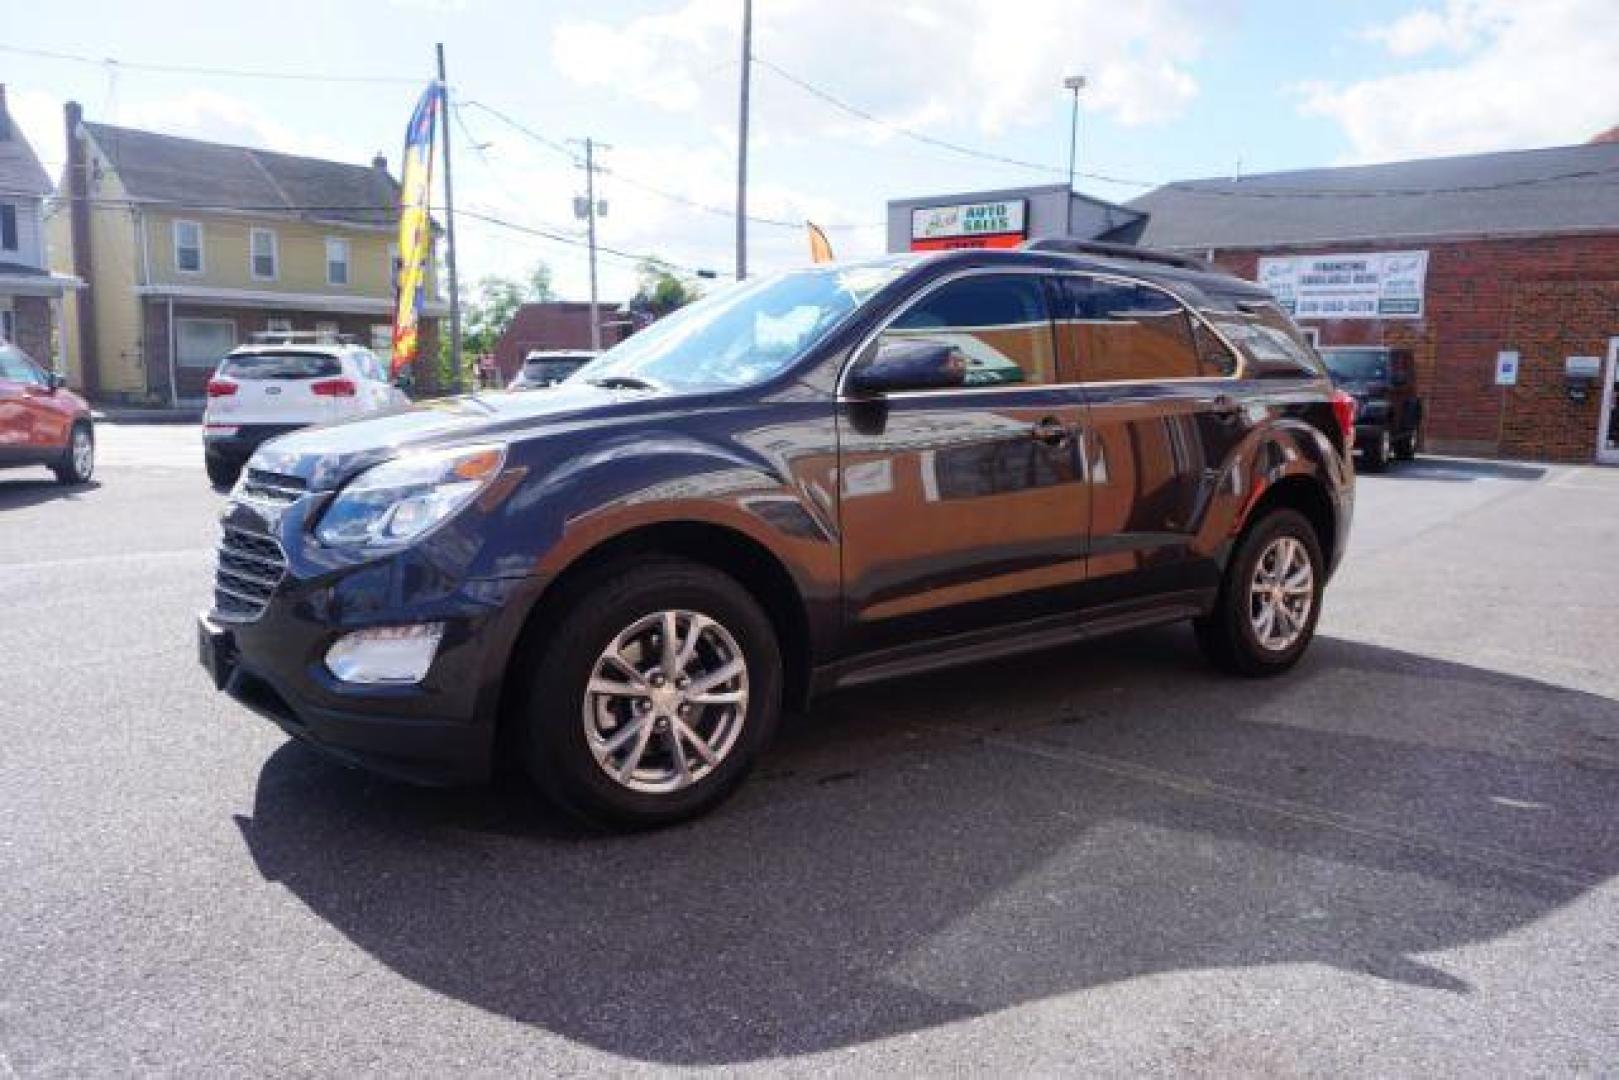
x=1366, y=285
x=999, y=224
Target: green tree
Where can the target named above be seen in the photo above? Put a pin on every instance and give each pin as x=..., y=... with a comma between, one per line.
x=487, y=309
x=660, y=289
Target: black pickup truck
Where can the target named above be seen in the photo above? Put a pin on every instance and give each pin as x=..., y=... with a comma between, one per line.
x=1388, y=412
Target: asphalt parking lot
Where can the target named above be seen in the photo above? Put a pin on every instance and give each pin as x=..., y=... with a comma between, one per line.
x=1400, y=858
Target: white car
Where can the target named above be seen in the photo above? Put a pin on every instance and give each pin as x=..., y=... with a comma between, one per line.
x=261, y=391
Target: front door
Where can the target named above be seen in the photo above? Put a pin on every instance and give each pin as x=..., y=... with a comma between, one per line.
x=1608, y=431
x=964, y=508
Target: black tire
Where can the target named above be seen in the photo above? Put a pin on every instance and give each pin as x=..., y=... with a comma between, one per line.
x=1378, y=452
x=71, y=468
x=590, y=616
x=1227, y=634
x=221, y=473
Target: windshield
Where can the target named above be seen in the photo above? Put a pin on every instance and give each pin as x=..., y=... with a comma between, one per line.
x=1357, y=365
x=745, y=333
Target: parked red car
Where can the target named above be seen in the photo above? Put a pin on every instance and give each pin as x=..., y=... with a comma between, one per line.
x=41, y=422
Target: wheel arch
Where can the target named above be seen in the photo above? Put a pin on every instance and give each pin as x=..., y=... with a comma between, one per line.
x=728, y=550
x=1306, y=494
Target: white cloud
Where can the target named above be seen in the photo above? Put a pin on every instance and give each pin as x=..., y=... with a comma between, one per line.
x=987, y=65
x=1524, y=75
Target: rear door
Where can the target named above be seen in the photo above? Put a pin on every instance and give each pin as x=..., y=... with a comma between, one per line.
x=288, y=387
x=1164, y=416
x=964, y=508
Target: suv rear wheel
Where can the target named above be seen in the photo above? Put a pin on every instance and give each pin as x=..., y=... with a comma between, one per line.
x=653, y=694
x=221, y=473
x=1270, y=599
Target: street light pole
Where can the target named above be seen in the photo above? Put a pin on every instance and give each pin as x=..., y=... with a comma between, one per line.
x=1074, y=83
x=742, y=145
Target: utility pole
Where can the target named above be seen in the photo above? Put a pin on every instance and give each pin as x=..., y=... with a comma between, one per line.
x=1075, y=83
x=589, y=212
x=742, y=145
x=449, y=225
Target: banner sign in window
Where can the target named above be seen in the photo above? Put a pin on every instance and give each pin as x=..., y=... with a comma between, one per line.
x=1000, y=224
x=1369, y=285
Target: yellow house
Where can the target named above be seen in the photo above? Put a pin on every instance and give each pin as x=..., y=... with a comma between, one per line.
x=189, y=248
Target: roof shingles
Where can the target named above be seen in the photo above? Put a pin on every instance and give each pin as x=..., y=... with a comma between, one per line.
x=204, y=175
x=1558, y=190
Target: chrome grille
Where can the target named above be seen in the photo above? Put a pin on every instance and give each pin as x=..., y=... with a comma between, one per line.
x=250, y=567
x=276, y=489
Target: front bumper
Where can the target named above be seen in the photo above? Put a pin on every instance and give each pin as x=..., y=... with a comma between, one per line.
x=365, y=734
x=271, y=655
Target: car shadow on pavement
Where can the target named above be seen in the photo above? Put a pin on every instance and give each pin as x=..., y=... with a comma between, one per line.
x=16, y=493
x=1461, y=470
x=938, y=849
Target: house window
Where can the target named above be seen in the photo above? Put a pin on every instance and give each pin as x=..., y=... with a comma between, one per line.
x=188, y=247
x=202, y=343
x=337, y=261
x=1312, y=334
x=394, y=266
x=8, y=326
x=264, y=254
x=326, y=332
x=278, y=325
x=382, y=338
x=8, y=226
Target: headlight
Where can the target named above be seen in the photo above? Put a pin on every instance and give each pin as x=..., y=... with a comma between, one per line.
x=404, y=499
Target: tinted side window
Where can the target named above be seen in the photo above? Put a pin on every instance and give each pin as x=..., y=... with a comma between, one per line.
x=1000, y=324
x=1124, y=331
x=281, y=365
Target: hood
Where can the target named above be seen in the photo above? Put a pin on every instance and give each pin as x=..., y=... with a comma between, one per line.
x=327, y=455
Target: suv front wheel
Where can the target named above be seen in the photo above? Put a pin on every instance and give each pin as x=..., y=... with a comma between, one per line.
x=653, y=695
x=1270, y=599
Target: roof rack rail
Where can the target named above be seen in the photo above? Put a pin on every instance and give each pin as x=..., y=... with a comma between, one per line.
x=301, y=337
x=1073, y=246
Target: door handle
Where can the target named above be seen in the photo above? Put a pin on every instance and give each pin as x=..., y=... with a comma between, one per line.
x=1051, y=432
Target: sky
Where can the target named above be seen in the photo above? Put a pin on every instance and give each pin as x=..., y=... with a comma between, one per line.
x=1176, y=89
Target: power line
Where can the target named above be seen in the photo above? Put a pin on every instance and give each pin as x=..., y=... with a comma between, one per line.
x=232, y=73
x=929, y=140
x=652, y=189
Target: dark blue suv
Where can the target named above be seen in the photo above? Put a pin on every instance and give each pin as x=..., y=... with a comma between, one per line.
x=801, y=482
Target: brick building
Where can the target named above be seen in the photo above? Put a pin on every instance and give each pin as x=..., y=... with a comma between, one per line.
x=557, y=324
x=1460, y=259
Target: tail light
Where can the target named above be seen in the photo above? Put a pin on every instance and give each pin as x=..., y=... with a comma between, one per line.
x=1343, y=411
x=221, y=388
x=333, y=388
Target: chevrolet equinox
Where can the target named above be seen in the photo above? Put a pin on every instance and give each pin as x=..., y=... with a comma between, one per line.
x=801, y=482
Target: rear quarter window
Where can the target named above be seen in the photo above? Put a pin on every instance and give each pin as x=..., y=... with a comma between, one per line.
x=281, y=365
x=1268, y=336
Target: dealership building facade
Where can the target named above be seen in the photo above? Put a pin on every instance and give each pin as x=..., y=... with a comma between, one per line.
x=1500, y=272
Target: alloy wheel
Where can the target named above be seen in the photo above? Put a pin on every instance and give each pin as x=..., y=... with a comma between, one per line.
x=84, y=453
x=1281, y=594
x=666, y=701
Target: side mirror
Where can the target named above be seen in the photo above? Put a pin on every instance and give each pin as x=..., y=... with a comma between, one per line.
x=54, y=381
x=914, y=364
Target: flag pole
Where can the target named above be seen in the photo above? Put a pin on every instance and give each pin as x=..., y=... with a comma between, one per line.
x=449, y=224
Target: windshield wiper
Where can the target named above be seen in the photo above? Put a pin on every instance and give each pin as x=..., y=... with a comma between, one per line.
x=624, y=382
